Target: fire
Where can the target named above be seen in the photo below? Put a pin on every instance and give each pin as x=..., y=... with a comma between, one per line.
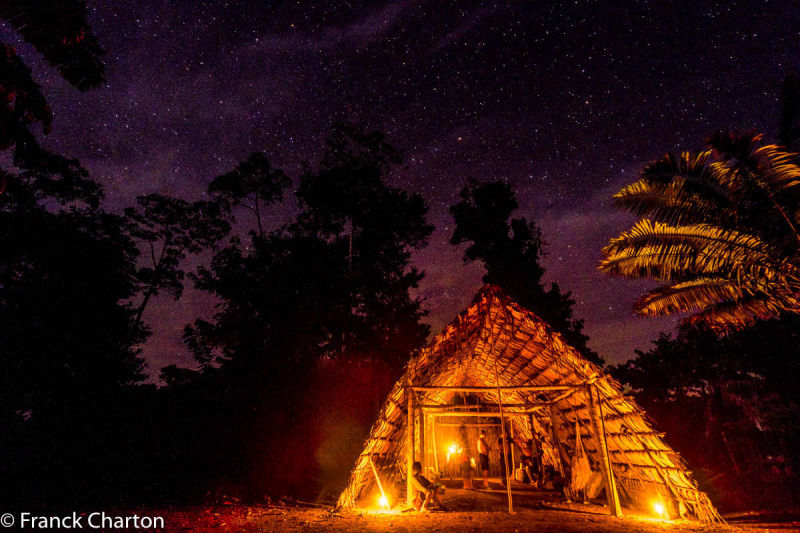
x=658, y=507
x=454, y=449
x=383, y=502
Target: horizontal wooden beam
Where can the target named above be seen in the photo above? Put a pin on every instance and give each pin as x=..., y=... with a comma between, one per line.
x=513, y=388
x=445, y=424
x=473, y=413
x=466, y=408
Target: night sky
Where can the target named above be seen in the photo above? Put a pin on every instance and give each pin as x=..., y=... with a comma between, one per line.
x=566, y=101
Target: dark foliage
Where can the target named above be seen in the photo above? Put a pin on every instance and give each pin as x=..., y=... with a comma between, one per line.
x=69, y=338
x=511, y=249
x=789, y=128
x=253, y=185
x=168, y=229
x=729, y=404
x=61, y=33
x=332, y=286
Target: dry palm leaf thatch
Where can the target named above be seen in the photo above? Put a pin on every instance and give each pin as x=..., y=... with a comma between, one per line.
x=529, y=355
x=720, y=228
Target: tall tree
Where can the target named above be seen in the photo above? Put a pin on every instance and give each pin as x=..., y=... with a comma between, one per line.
x=719, y=229
x=374, y=227
x=511, y=249
x=253, y=185
x=333, y=286
x=169, y=229
x=789, y=127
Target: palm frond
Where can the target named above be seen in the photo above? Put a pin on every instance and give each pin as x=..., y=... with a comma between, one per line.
x=693, y=295
x=673, y=203
x=729, y=316
x=654, y=249
x=720, y=227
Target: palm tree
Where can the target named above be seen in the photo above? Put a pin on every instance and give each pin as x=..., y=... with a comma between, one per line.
x=719, y=228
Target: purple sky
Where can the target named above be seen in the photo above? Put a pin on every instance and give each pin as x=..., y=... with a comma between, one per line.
x=566, y=101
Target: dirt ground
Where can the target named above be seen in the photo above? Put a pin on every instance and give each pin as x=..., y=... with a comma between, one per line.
x=468, y=511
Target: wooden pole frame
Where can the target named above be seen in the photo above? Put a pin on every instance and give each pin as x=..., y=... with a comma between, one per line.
x=410, y=446
x=433, y=440
x=510, y=388
x=596, y=414
x=502, y=415
x=485, y=414
x=559, y=449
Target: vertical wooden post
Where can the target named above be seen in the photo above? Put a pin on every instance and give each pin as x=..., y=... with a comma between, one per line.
x=502, y=416
x=422, y=452
x=556, y=440
x=596, y=414
x=433, y=444
x=511, y=447
x=505, y=436
x=410, y=446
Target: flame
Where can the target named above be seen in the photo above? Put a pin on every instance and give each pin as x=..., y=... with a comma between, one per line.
x=454, y=449
x=383, y=502
x=658, y=507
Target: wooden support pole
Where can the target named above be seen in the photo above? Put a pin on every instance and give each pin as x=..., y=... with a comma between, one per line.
x=410, y=447
x=512, y=388
x=422, y=457
x=476, y=408
x=511, y=447
x=596, y=414
x=476, y=425
x=503, y=432
x=557, y=440
x=485, y=414
x=433, y=443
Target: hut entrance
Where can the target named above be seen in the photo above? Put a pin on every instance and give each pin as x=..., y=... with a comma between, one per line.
x=444, y=438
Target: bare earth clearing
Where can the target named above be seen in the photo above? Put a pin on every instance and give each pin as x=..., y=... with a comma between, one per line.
x=468, y=511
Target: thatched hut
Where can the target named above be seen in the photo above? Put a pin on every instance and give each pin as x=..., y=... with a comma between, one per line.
x=499, y=359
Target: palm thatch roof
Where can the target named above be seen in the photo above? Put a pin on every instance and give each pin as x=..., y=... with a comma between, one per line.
x=547, y=387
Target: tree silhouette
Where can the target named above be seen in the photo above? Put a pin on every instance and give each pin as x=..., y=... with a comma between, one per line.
x=789, y=128
x=253, y=185
x=331, y=286
x=61, y=33
x=375, y=227
x=511, y=250
x=722, y=397
x=169, y=229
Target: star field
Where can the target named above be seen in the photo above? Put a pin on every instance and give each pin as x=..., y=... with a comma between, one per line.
x=565, y=100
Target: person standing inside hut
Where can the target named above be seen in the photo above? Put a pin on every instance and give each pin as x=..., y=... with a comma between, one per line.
x=537, y=461
x=466, y=458
x=528, y=463
x=483, y=457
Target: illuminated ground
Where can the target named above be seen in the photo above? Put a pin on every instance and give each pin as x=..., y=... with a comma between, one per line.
x=468, y=511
